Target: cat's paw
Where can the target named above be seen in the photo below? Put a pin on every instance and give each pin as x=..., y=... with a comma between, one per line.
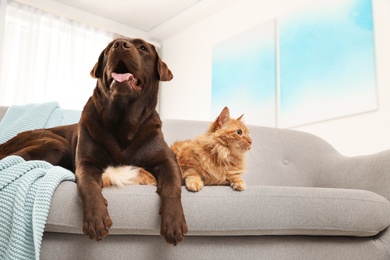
x=238, y=185
x=194, y=185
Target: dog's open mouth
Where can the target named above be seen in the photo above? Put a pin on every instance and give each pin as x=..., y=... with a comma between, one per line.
x=121, y=77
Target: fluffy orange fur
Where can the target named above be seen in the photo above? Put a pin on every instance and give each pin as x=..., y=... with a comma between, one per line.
x=217, y=157
x=127, y=175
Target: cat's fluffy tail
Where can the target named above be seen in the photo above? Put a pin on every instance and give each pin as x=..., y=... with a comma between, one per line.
x=127, y=175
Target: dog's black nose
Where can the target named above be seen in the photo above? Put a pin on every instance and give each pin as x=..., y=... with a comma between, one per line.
x=121, y=44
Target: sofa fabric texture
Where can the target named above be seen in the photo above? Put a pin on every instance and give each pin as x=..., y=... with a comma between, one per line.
x=304, y=200
x=220, y=211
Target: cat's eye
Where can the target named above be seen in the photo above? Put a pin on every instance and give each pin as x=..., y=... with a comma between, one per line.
x=239, y=132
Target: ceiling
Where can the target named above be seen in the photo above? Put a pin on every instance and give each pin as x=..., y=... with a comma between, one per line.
x=143, y=15
x=150, y=19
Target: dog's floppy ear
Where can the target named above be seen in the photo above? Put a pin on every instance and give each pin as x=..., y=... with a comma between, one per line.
x=163, y=71
x=97, y=70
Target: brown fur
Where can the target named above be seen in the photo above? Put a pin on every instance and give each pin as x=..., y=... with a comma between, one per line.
x=216, y=157
x=118, y=126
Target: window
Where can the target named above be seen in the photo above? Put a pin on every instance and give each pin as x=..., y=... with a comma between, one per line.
x=44, y=57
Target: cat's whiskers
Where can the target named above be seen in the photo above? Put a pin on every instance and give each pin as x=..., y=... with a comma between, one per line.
x=256, y=154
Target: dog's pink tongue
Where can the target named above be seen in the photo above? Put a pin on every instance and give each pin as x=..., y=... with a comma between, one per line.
x=122, y=77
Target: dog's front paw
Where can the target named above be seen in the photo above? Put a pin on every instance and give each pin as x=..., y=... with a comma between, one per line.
x=173, y=223
x=97, y=222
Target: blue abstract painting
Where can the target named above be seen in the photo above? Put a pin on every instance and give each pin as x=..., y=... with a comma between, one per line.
x=244, y=75
x=327, y=64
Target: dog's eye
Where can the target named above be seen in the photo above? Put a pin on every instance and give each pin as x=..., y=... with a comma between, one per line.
x=239, y=132
x=143, y=48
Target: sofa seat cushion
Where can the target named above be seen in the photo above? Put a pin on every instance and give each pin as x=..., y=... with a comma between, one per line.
x=220, y=211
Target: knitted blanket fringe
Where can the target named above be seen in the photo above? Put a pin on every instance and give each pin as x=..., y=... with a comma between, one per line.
x=26, y=189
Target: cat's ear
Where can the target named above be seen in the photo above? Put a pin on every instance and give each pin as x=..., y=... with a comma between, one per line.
x=220, y=121
x=224, y=116
x=240, y=118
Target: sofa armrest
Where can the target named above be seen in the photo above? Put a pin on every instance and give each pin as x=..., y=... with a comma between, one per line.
x=368, y=172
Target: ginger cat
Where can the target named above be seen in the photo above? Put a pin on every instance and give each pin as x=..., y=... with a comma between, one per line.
x=215, y=158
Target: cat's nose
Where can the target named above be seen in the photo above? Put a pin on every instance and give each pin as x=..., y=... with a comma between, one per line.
x=249, y=140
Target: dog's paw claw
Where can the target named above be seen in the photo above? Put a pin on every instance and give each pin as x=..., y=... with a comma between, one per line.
x=174, y=235
x=97, y=227
x=173, y=224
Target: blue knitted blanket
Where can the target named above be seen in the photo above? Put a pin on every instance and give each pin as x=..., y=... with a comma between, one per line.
x=33, y=116
x=26, y=187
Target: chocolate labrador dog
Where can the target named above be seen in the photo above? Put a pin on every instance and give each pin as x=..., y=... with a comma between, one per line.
x=119, y=126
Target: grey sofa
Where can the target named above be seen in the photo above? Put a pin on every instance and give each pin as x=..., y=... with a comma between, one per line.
x=303, y=201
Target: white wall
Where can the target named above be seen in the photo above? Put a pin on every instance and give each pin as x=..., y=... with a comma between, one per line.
x=189, y=53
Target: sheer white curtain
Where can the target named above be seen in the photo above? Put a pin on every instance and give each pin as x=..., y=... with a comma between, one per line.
x=46, y=58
